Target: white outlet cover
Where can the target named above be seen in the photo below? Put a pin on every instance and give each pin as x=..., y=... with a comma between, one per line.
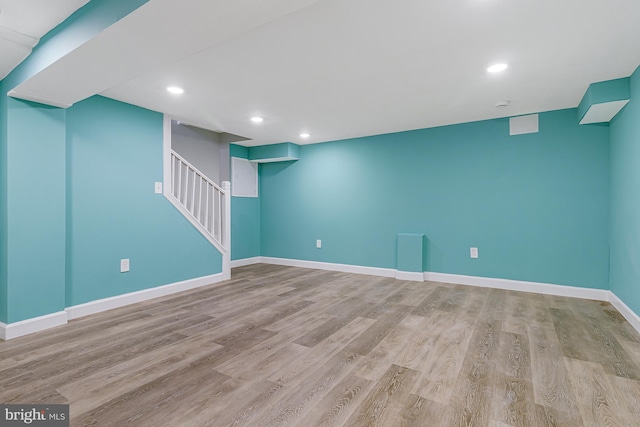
x=158, y=188
x=473, y=252
x=318, y=243
x=124, y=265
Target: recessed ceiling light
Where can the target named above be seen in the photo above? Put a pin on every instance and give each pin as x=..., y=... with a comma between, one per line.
x=496, y=68
x=175, y=90
x=304, y=135
x=257, y=119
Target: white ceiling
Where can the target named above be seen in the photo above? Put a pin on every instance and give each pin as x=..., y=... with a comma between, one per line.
x=24, y=22
x=346, y=68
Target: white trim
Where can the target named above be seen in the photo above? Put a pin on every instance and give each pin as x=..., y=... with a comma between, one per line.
x=24, y=41
x=345, y=268
x=410, y=275
x=37, y=324
x=274, y=159
x=24, y=327
x=603, y=112
x=166, y=155
x=628, y=314
x=100, y=305
x=167, y=192
x=20, y=94
x=519, y=285
x=226, y=231
x=195, y=223
x=485, y=282
x=246, y=261
x=29, y=326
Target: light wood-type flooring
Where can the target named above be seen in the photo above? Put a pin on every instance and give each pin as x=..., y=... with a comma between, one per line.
x=284, y=346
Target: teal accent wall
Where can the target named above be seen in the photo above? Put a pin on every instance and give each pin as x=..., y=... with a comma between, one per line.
x=35, y=210
x=33, y=217
x=410, y=252
x=245, y=218
x=115, y=156
x=625, y=200
x=3, y=203
x=238, y=151
x=535, y=205
x=603, y=92
x=245, y=227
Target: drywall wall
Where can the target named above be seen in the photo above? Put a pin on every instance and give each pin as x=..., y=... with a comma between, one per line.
x=3, y=202
x=245, y=218
x=625, y=199
x=202, y=148
x=32, y=189
x=35, y=210
x=114, y=157
x=535, y=205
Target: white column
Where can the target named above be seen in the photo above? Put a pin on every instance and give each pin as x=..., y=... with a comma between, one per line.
x=226, y=231
x=167, y=160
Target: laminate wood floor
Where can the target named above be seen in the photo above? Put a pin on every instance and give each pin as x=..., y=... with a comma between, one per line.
x=284, y=346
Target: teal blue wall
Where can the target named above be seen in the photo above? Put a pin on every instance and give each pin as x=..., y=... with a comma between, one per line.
x=535, y=205
x=603, y=92
x=35, y=210
x=245, y=218
x=625, y=200
x=238, y=151
x=245, y=227
x=410, y=252
x=3, y=203
x=32, y=174
x=115, y=156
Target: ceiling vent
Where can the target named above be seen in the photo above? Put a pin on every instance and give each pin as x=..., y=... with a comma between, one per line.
x=523, y=124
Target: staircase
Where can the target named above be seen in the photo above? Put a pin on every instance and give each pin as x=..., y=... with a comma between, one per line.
x=205, y=204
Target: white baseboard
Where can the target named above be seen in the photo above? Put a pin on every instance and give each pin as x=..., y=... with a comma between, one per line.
x=410, y=275
x=17, y=329
x=345, y=268
x=246, y=261
x=100, y=305
x=519, y=285
x=485, y=282
x=628, y=314
x=35, y=324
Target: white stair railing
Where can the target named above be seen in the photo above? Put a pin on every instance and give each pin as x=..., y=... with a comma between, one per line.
x=206, y=203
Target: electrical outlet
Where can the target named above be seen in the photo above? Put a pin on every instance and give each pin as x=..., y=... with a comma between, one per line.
x=158, y=188
x=124, y=265
x=318, y=243
x=473, y=252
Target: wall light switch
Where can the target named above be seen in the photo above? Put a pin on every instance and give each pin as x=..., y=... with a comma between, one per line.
x=474, y=252
x=124, y=265
x=158, y=188
x=318, y=243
